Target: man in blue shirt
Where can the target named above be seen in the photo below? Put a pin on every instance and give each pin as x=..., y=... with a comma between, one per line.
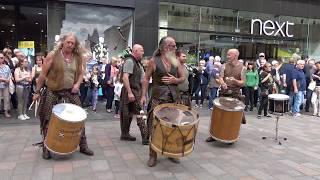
x=299, y=87
x=286, y=74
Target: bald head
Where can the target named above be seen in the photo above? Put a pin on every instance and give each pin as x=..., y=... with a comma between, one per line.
x=137, y=51
x=232, y=54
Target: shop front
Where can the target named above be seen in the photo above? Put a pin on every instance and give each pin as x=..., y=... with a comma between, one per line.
x=204, y=31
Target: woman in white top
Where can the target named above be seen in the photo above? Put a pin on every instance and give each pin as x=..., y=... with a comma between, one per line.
x=23, y=84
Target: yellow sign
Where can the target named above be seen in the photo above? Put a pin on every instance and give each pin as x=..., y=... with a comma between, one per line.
x=25, y=44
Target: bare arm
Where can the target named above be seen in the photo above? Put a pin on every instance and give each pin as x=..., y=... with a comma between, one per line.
x=295, y=87
x=126, y=83
x=145, y=83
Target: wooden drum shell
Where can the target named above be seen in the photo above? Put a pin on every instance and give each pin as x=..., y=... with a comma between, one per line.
x=173, y=140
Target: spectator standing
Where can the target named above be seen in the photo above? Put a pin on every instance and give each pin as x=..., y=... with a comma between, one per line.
x=202, y=88
x=23, y=84
x=117, y=93
x=111, y=72
x=309, y=69
x=95, y=86
x=266, y=85
x=316, y=93
x=36, y=69
x=252, y=81
x=5, y=75
x=299, y=87
x=214, y=83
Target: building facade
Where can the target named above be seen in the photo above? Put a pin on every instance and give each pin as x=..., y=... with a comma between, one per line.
x=279, y=28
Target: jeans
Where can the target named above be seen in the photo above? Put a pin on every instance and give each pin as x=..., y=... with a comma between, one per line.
x=94, y=92
x=22, y=95
x=202, y=88
x=212, y=96
x=298, y=99
x=110, y=96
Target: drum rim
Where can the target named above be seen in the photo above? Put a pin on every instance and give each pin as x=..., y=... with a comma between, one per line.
x=59, y=153
x=169, y=124
x=70, y=104
x=174, y=155
x=284, y=97
x=226, y=108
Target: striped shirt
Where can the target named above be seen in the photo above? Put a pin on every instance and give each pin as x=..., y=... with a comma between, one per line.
x=5, y=72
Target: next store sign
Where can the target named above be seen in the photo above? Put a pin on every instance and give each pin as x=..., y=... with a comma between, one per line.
x=272, y=28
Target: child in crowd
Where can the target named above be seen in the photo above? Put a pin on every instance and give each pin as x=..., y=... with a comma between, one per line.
x=117, y=92
x=95, y=86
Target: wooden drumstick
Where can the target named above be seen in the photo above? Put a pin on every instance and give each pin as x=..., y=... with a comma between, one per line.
x=30, y=107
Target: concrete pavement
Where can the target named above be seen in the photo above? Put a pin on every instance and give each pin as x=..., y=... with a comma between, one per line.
x=249, y=158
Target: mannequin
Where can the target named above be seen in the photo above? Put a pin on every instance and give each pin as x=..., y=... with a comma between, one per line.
x=100, y=50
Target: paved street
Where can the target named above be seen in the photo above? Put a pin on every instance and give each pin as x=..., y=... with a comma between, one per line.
x=249, y=158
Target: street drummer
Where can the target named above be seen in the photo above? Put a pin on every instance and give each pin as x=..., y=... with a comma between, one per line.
x=184, y=87
x=62, y=73
x=232, y=79
x=166, y=72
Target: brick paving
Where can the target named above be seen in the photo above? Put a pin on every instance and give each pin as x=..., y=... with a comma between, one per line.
x=249, y=158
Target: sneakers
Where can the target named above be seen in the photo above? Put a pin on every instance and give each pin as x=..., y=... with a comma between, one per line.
x=259, y=116
x=26, y=117
x=116, y=116
x=6, y=114
x=21, y=117
x=297, y=115
x=196, y=106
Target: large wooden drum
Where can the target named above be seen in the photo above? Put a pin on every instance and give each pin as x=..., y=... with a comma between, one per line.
x=226, y=119
x=65, y=128
x=174, y=130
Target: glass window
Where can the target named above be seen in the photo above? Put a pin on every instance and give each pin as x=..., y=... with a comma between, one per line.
x=105, y=31
x=24, y=27
x=211, y=31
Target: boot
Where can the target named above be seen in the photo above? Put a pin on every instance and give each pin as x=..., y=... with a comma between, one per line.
x=127, y=137
x=85, y=150
x=210, y=139
x=143, y=130
x=45, y=153
x=152, y=158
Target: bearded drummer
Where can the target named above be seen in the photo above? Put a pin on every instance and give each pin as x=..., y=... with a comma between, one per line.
x=232, y=79
x=62, y=72
x=166, y=72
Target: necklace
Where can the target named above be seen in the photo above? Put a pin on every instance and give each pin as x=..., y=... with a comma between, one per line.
x=67, y=60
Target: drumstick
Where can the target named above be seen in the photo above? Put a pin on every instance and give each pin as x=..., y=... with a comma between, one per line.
x=30, y=107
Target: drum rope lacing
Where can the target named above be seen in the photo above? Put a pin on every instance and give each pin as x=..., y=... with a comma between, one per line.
x=184, y=141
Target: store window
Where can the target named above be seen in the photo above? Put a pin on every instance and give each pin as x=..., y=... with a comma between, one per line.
x=105, y=31
x=204, y=31
x=24, y=26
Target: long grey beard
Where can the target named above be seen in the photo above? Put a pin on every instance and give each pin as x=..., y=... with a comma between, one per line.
x=171, y=56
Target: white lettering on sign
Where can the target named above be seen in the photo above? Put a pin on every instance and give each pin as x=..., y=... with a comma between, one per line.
x=271, y=28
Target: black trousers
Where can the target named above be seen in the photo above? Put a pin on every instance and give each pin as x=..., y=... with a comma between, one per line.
x=249, y=92
x=263, y=105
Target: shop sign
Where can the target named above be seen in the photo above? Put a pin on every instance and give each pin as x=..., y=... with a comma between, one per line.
x=272, y=28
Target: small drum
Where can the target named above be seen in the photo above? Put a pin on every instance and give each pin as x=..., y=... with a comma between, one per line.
x=174, y=130
x=65, y=128
x=278, y=103
x=226, y=119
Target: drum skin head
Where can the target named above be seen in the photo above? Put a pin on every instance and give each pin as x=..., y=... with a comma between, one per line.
x=278, y=96
x=69, y=112
x=229, y=104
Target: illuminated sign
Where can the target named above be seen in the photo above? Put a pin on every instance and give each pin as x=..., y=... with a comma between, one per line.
x=272, y=28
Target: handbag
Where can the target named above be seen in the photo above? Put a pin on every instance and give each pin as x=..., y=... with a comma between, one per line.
x=12, y=87
x=312, y=85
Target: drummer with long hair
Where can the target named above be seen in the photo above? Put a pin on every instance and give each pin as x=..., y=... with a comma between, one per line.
x=166, y=72
x=62, y=73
